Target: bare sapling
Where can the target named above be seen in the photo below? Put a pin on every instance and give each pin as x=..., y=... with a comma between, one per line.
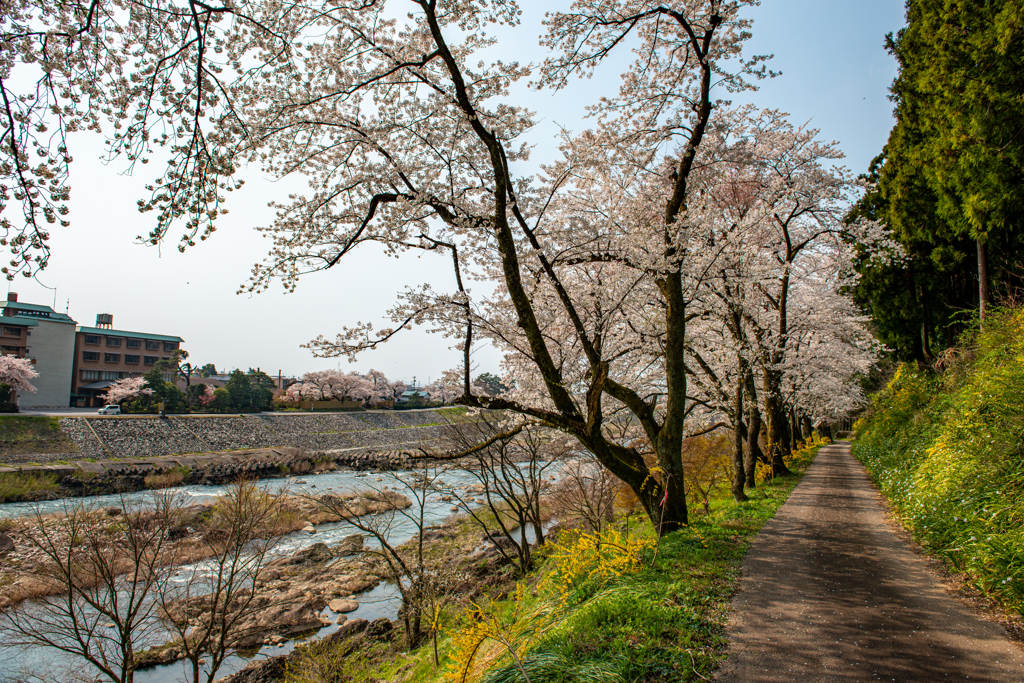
x=585, y=493
x=420, y=580
x=509, y=462
x=104, y=572
x=212, y=606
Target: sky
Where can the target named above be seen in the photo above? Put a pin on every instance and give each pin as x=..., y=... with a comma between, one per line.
x=835, y=75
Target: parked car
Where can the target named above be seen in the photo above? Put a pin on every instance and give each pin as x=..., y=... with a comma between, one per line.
x=109, y=410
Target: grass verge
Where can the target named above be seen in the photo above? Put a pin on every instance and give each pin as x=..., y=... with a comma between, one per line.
x=614, y=606
x=948, y=452
x=16, y=485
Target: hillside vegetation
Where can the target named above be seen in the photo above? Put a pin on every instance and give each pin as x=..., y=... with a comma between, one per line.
x=948, y=451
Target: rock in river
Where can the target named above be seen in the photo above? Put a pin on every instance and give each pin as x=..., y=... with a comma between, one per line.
x=343, y=605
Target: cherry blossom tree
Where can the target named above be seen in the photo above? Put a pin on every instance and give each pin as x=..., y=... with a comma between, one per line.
x=408, y=140
x=328, y=385
x=126, y=389
x=429, y=166
x=383, y=388
x=16, y=374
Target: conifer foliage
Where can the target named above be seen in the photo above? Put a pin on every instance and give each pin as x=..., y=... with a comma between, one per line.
x=948, y=180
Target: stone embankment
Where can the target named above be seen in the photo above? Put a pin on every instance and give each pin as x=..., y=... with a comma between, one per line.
x=116, y=454
x=150, y=436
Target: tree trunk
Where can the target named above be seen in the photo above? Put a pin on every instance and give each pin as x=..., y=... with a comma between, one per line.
x=778, y=424
x=754, y=454
x=806, y=427
x=739, y=476
x=983, y=296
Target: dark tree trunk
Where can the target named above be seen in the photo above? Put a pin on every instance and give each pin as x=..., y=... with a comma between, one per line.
x=739, y=476
x=778, y=424
x=806, y=428
x=754, y=454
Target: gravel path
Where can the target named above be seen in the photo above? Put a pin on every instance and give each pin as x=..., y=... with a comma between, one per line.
x=830, y=593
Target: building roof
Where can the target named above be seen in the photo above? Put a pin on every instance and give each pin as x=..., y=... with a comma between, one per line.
x=102, y=384
x=123, y=333
x=18, y=321
x=34, y=311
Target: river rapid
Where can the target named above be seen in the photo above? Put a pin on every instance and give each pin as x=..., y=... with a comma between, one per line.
x=26, y=664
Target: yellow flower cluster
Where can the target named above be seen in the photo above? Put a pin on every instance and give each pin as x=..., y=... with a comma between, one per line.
x=490, y=633
x=585, y=557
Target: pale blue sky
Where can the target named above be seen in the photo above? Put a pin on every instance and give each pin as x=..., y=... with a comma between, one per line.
x=835, y=73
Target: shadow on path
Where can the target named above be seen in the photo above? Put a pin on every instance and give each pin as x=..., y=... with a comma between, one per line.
x=830, y=593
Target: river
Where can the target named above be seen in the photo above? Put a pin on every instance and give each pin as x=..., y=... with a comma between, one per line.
x=25, y=664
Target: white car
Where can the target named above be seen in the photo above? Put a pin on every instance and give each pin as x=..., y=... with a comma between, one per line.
x=109, y=410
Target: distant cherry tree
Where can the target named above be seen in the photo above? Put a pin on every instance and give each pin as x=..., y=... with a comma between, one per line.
x=16, y=374
x=126, y=389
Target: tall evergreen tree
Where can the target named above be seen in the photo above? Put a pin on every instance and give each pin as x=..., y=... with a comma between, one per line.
x=948, y=180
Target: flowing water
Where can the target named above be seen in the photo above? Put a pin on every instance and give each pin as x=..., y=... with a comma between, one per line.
x=34, y=663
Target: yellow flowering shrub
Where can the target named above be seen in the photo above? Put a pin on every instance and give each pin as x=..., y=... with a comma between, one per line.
x=577, y=561
x=584, y=559
x=487, y=635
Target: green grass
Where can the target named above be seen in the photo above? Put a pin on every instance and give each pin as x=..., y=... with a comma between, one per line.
x=15, y=485
x=948, y=452
x=662, y=622
x=20, y=434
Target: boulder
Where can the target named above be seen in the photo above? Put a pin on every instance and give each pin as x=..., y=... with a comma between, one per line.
x=268, y=670
x=343, y=605
x=349, y=545
x=113, y=511
x=314, y=554
x=6, y=543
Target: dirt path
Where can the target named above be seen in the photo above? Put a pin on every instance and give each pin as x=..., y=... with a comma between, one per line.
x=829, y=593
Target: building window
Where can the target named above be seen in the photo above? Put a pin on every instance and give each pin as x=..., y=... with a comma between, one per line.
x=92, y=339
x=112, y=358
x=90, y=355
x=110, y=374
x=170, y=346
x=152, y=345
x=151, y=360
x=10, y=350
x=129, y=358
x=133, y=343
x=12, y=331
x=167, y=378
x=113, y=341
x=90, y=374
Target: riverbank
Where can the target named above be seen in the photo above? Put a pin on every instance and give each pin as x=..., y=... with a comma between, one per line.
x=30, y=545
x=945, y=449
x=614, y=605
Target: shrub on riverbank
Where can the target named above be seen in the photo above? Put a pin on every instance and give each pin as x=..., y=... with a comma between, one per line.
x=610, y=606
x=948, y=452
